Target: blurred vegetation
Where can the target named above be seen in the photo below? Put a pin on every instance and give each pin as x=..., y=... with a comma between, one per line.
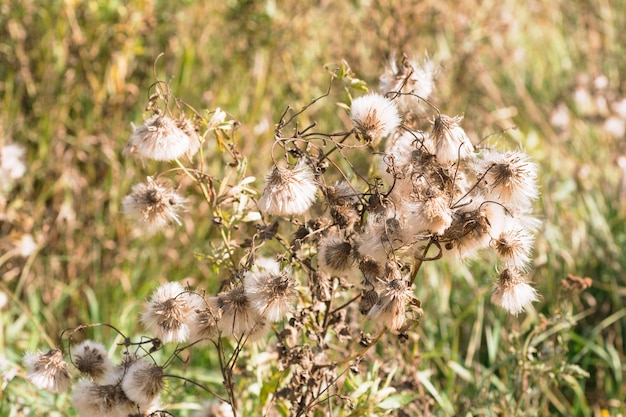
x=74, y=75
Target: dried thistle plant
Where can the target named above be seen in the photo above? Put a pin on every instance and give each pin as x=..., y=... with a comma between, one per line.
x=318, y=266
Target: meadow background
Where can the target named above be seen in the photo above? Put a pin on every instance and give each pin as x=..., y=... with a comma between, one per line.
x=74, y=75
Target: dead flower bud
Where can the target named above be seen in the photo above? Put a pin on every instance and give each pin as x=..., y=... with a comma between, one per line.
x=368, y=300
x=321, y=286
x=576, y=283
x=370, y=269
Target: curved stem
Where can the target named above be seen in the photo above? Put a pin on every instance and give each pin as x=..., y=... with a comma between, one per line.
x=418, y=261
x=199, y=385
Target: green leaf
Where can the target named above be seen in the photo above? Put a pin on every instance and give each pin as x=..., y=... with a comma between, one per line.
x=396, y=401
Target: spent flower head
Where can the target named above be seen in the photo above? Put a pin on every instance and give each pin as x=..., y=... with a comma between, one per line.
x=374, y=116
x=169, y=312
x=514, y=246
x=239, y=318
x=94, y=400
x=390, y=307
x=91, y=359
x=203, y=325
x=288, y=191
x=512, y=292
x=335, y=255
x=143, y=383
x=414, y=80
x=186, y=125
x=451, y=142
x=159, y=138
x=47, y=370
x=153, y=205
x=270, y=289
x=509, y=177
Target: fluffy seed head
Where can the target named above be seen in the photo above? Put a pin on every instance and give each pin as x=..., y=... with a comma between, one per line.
x=409, y=76
x=159, y=138
x=203, y=325
x=514, y=246
x=335, y=255
x=340, y=194
x=91, y=359
x=47, y=370
x=438, y=214
x=93, y=400
x=153, y=205
x=169, y=311
x=288, y=191
x=390, y=308
x=143, y=382
x=271, y=291
x=451, y=142
x=374, y=116
x=509, y=177
x=473, y=228
x=512, y=293
x=187, y=126
x=239, y=318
